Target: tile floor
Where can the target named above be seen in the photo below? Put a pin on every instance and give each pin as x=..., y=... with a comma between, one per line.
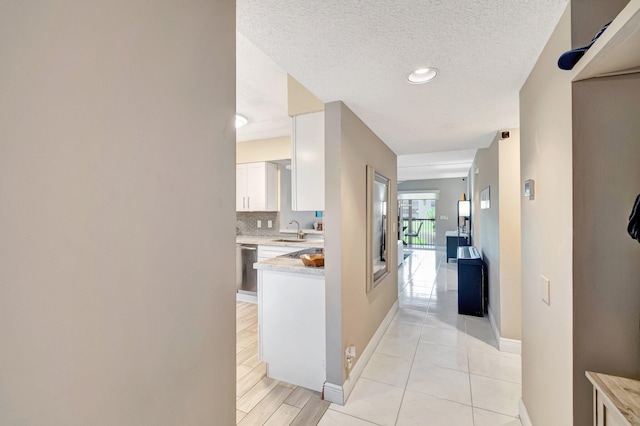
x=433, y=367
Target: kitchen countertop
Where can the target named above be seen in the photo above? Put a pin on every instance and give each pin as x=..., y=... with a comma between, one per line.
x=283, y=264
x=269, y=241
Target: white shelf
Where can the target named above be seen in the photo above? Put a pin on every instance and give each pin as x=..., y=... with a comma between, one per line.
x=617, y=51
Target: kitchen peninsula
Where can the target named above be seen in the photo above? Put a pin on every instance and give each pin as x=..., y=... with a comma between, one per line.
x=252, y=249
x=291, y=318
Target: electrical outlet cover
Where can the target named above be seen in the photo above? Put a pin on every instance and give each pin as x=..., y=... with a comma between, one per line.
x=545, y=289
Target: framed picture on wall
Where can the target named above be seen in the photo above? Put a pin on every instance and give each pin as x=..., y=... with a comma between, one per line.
x=485, y=199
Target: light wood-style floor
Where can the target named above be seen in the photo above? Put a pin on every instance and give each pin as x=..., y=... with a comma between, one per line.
x=264, y=401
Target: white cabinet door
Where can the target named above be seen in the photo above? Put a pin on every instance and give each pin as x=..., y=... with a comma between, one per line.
x=256, y=187
x=241, y=187
x=292, y=327
x=307, y=162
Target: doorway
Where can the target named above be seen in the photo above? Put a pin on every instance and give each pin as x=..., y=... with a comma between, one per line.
x=418, y=223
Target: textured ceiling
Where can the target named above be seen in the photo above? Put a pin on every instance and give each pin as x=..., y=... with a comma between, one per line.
x=361, y=51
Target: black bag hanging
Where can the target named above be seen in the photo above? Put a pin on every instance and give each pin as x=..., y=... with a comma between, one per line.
x=634, y=221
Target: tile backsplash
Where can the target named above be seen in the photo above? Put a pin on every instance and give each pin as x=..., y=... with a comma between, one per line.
x=247, y=223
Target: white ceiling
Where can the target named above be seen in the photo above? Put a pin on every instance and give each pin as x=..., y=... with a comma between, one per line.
x=261, y=93
x=437, y=165
x=361, y=51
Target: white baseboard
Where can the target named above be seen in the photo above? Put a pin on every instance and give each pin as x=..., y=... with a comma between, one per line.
x=504, y=344
x=510, y=345
x=333, y=393
x=524, y=414
x=249, y=298
x=494, y=327
x=339, y=394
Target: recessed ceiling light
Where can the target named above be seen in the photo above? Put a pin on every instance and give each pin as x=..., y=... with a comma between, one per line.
x=422, y=75
x=241, y=121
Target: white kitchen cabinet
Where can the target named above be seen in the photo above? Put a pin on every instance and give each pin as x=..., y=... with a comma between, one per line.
x=256, y=187
x=307, y=162
x=292, y=336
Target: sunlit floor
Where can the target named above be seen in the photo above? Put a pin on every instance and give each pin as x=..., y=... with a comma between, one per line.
x=433, y=367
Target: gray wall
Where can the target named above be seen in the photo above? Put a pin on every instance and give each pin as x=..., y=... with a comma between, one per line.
x=606, y=270
x=509, y=196
x=353, y=315
x=580, y=144
x=588, y=16
x=497, y=229
x=487, y=221
x=117, y=302
x=447, y=205
x=546, y=157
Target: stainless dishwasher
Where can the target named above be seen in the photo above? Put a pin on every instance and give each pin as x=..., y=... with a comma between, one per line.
x=246, y=276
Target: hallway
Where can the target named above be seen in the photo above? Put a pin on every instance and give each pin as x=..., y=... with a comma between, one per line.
x=433, y=367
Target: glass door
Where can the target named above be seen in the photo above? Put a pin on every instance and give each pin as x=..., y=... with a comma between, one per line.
x=418, y=223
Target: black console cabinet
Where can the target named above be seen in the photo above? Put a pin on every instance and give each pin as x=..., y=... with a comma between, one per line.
x=473, y=294
x=454, y=240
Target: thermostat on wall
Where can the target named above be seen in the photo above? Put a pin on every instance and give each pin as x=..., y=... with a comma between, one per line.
x=529, y=189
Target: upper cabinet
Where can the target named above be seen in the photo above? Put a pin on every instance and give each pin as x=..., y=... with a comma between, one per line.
x=256, y=187
x=307, y=162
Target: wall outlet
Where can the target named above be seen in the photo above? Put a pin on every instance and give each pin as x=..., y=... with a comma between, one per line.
x=269, y=224
x=350, y=356
x=545, y=289
x=259, y=224
x=444, y=217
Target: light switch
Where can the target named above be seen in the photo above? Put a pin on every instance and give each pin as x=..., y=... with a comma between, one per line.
x=269, y=224
x=444, y=217
x=545, y=289
x=259, y=225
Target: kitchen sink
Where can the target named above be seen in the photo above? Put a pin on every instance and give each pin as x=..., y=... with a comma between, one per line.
x=289, y=240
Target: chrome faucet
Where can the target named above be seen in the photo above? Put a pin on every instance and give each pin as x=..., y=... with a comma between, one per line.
x=299, y=233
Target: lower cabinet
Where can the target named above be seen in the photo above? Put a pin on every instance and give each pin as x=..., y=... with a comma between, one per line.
x=473, y=287
x=291, y=318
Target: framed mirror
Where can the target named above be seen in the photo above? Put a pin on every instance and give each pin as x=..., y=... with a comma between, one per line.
x=378, y=195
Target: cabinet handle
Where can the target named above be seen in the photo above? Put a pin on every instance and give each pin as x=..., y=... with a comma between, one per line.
x=244, y=202
x=248, y=202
